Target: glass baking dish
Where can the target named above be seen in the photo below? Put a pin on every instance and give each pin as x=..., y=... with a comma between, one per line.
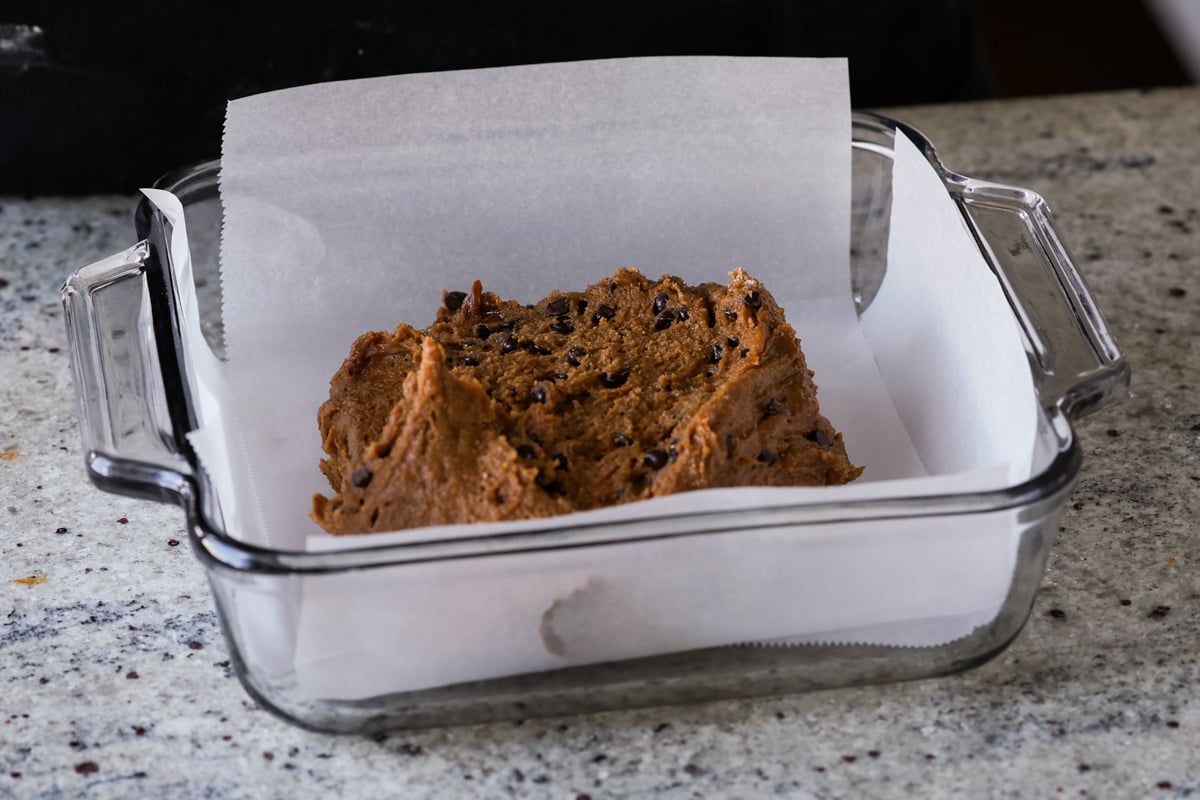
x=136, y=409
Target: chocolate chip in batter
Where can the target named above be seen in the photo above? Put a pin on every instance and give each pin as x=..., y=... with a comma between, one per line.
x=681, y=315
x=729, y=314
x=660, y=302
x=361, y=477
x=714, y=355
x=580, y=305
x=768, y=457
x=558, y=307
x=663, y=321
x=561, y=463
x=562, y=326
x=537, y=394
x=554, y=487
x=753, y=301
x=603, y=311
x=526, y=452
x=454, y=300
x=469, y=361
x=733, y=342
x=656, y=459
x=508, y=345
x=773, y=408
x=730, y=445
x=622, y=440
x=483, y=331
x=611, y=380
x=820, y=437
x=537, y=349
x=574, y=354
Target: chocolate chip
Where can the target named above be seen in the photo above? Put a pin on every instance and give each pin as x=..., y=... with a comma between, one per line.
x=744, y=352
x=663, y=321
x=537, y=394
x=768, y=457
x=560, y=462
x=733, y=342
x=537, y=349
x=469, y=361
x=820, y=437
x=730, y=313
x=554, y=487
x=483, y=331
x=526, y=452
x=361, y=477
x=574, y=354
x=603, y=311
x=656, y=459
x=562, y=326
x=611, y=380
x=715, y=354
x=774, y=408
x=660, y=302
x=580, y=305
x=753, y=301
x=559, y=376
x=681, y=315
x=729, y=445
x=508, y=345
x=622, y=440
x=454, y=300
x=558, y=307
x=673, y=451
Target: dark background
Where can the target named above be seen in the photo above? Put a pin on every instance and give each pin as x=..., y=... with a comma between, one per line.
x=105, y=97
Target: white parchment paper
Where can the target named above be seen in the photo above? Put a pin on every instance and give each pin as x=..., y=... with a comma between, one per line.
x=351, y=206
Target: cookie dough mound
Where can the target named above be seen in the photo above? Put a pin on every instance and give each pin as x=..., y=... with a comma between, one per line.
x=631, y=389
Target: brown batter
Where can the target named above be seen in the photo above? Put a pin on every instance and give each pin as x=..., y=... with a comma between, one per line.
x=631, y=389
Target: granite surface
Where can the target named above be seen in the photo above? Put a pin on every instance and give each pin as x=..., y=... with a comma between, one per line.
x=116, y=682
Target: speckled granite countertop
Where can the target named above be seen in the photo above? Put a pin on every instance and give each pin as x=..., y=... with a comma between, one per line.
x=116, y=682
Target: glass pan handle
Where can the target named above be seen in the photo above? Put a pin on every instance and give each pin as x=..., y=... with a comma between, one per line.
x=1076, y=363
x=123, y=416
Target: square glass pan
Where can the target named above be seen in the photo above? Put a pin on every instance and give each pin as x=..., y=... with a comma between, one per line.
x=136, y=409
